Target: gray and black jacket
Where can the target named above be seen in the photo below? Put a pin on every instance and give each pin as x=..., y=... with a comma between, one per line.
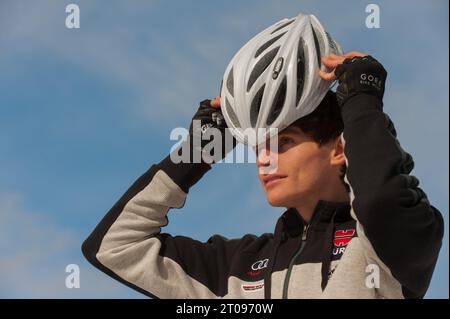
x=383, y=244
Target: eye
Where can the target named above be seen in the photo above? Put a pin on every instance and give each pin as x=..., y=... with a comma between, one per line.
x=285, y=140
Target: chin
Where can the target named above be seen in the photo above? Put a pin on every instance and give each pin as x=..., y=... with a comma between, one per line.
x=277, y=200
x=280, y=197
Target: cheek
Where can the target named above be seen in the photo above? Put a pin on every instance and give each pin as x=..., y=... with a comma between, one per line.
x=304, y=165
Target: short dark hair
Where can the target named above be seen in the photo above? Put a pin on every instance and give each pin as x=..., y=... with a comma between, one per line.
x=324, y=124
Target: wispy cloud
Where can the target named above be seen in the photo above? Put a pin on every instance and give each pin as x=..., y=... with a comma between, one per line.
x=163, y=64
x=35, y=253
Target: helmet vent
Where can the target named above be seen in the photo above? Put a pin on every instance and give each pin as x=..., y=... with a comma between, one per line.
x=278, y=103
x=332, y=44
x=256, y=105
x=230, y=82
x=262, y=64
x=319, y=44
x=268, y=44
x=231, y=115
x=282, y=26
x=301, y=63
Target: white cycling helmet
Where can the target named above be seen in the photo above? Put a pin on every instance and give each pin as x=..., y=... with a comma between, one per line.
x=273, y=80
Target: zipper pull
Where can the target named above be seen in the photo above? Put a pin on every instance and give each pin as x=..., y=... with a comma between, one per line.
x=305, y=232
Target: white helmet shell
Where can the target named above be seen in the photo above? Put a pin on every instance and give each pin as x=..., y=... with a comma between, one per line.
x=273, y=80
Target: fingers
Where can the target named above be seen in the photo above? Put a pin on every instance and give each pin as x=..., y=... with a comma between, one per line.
x=334, y=56
x=332, y=61
x=215, y=103
x=352, y=54
x=327, y=76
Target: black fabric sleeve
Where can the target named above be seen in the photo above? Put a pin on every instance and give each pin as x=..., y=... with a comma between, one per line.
x=404, y=229
x=185, y=175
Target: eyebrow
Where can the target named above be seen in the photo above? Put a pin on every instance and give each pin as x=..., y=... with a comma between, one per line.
x=287, y=130
x=290, y=130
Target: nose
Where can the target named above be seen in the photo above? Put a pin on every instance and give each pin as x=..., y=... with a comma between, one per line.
x=262, y=157
x=266, y=160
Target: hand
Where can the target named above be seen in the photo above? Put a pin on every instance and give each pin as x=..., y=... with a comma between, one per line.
x=209, y=115
x=333, y=60
x=215, y=103
x=357, y=73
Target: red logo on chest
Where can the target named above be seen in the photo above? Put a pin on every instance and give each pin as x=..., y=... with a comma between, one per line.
x=343, y=237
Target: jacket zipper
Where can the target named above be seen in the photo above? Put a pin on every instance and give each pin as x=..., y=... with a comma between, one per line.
x=292, y=261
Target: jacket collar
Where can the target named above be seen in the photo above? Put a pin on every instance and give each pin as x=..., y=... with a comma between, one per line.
x=292, y=223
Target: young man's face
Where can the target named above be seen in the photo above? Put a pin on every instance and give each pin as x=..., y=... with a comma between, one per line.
x=301, y=169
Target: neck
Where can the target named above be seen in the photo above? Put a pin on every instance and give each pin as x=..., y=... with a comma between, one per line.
x=307, y=207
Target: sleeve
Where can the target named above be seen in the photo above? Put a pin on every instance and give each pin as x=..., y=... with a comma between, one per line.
x=128, y=244
x=393, y=214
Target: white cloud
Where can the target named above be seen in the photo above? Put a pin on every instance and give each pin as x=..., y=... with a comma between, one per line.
x=144, y=66
x=166, y=74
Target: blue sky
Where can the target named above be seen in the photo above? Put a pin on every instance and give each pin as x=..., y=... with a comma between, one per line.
x=84, y=112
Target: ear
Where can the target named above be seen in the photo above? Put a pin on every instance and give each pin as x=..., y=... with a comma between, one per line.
x=337, y=156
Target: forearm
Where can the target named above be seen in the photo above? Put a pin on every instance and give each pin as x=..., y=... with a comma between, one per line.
x=119, y=242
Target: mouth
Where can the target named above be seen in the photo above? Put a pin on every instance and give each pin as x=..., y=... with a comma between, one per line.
x=271, y=180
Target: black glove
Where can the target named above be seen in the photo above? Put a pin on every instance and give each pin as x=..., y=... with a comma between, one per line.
x=360, y=75
x=208, y=151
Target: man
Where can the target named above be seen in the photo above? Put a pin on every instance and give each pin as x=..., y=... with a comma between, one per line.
x=356, y=226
